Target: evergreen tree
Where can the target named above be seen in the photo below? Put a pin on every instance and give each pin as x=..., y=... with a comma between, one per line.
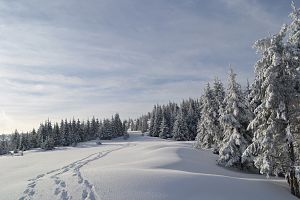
x=34, y=140
x=48, y=143
x=235, y=119
x=152, y=118
x=94, y=129
x=180, y=130
x=42, y=132
x=15, y=141
x=125, y=126
x=4, y=144
x=206, y=127
x=191, y=120
x=56, y=135
x=270, y=146
x=65, y=133
x=107, y=129
x=24, y=142
x=293, y=49
x=144, y=127
x=157, y=121
x=80, y=129
x=87, y=130
x=218, y=106
x=164, y=129
x=74, y=135
x=117, y=126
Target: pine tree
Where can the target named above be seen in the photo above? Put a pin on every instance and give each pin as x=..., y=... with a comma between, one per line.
x=24, y=142
x=65, y=133
x=157, y=121
x=4, y=144
x=235, y=119
x=87, y=130
x=191, y=120
x=34, y=140
x=269, y=148
x=48, y=143
x=74, y=135
x=15, y=141
x=180, y=130
x=80, y=129
x=164, y=129
x=219, y=95
x=144, y=127
x=42, y=132
x=107, y=129
x=56, y=135
x=117, y=126
x=94, y=129
x=206, y=126
x=293, y=98
x=151, y=127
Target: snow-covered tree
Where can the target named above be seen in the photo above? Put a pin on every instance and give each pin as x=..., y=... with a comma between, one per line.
x=269, y=149
x=34, y=139
x=107, y=129
x=219, y=105
x=293, y=97
x=24, y=142
x=164, y=129
x=157, y=121
x=151, y=126
x=180, y=130
x=117, y=126
x=235, y=119
x=206, y=126
x=48, y=143
x=4, y=144
x=191, y=120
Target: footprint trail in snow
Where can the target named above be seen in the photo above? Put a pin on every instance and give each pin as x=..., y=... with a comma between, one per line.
x=60, y=186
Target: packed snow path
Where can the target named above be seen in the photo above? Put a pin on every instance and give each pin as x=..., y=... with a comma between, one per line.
x=140, y=168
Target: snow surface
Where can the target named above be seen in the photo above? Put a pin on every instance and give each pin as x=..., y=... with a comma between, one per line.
x=138, y=168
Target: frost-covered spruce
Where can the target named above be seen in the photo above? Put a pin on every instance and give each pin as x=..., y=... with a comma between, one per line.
x=164, y=129
x=206, y=127
x=219, y=105
x=151, y=126
x=157, y=121
x=191, y=119
x=293, y=49
x=107, y=129
x=269, y=149
x=293, y=98
x=180, y=130
x=234, y=119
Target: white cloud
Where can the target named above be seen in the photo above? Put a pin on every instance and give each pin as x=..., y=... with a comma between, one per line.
x=71, y=58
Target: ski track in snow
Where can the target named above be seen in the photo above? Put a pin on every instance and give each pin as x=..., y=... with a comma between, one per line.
x=60, y=191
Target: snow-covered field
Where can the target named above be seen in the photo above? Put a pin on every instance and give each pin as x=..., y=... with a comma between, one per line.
x=139, y=168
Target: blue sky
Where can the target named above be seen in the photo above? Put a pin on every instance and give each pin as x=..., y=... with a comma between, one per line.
x=72, y=58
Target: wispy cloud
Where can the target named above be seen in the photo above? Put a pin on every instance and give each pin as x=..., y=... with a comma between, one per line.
x=73, y=58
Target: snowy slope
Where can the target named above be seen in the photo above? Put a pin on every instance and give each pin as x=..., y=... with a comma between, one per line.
x=139, y=168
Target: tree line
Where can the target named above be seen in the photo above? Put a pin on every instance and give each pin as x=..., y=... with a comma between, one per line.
x=253, y=127
x=65, y=133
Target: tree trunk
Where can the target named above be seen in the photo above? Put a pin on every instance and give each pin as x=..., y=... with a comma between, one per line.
x=292, y=179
